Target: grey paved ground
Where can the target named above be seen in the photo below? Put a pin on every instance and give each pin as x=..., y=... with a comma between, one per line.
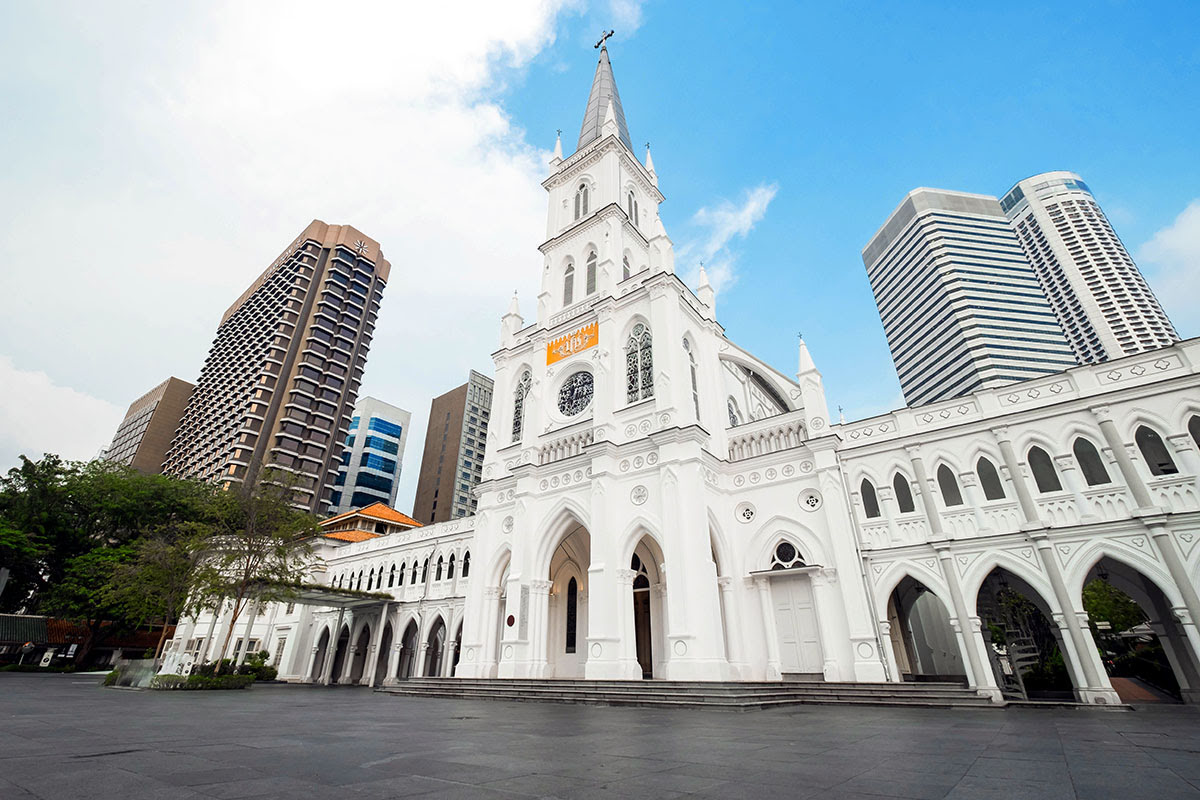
x=64, y=737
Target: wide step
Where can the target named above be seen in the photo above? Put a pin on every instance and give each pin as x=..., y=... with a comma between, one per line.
x=696, y=694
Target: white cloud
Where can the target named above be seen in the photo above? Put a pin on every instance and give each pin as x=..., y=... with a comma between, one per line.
x=170, y=152
x=626, y=15
x=38, y=416
x=1171, y=259
x=718, y=226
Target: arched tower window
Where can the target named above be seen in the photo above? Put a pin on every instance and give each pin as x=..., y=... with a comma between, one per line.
x=870, y=501
x=569, y=285
x=403, y=568
x=639, y=365
x=951, y=495
x=1194, y=428
x=392, y=577
x=413, y=579
x=519, y=395
x=572, y=614
x=904, y=498
x=735, y=418
x=625, y=270
x=629, y=208
x=1154, y=450
x=1044, y=473
x=1090, y=462
x=466, y=567
x=450, y=568
x=371, y=580
x=581, y=201
x=425, y=571
x=437, y=575
x=989, y=479
x=687, y=348
x=591, y=274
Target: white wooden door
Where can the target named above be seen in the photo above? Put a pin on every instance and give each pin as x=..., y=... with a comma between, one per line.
x=796, y=625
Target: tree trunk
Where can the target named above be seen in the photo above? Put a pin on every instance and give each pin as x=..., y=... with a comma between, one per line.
x=162, y=640
x=238, y=603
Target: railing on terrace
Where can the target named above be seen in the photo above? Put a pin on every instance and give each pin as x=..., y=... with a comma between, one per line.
x=770, y=435
x=566, y=446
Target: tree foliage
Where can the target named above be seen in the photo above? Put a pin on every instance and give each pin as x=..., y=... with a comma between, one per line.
x=1105, y=602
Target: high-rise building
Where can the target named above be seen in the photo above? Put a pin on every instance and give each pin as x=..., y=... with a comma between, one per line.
x=371, y=460
x=452, y=464
x=142, y=438
x=1101, y=299
x=281, y=379
x=961, y=307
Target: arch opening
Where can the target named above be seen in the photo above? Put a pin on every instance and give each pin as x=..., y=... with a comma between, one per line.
x=923, y=639
x=408, y=651
x=648, y=609
x=362, y=646
x=435, y=649
x=319, y=659
x=339, y=656
x=567, y=617
x=1024, y=647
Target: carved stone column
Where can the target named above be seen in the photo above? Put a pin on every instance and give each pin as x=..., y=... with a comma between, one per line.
x=1073, y=482
x=967, y=629
x=1112, y=438
x=974, y=498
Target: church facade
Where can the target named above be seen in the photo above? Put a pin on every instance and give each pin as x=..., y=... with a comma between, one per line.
x=657, y=502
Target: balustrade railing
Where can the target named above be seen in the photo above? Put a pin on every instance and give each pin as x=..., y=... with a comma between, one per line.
x=565, y=446
x=764, y=436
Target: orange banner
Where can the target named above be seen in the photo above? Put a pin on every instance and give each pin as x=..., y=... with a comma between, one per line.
x=572, y=343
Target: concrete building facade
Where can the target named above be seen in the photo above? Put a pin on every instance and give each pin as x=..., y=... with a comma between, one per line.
x=455, y=442
x=142, y=438
x=280, y=382
x=373, y=456
x=961, y=307
x=1105, y=306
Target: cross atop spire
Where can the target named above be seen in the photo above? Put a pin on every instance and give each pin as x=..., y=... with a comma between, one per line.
x=603, y=94
x=603, y=39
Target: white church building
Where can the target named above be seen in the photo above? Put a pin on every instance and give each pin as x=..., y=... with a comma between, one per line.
x=659, y=503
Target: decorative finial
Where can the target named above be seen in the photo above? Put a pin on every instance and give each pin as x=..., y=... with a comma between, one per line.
x=647, y=145
x=600, y=44
x=558, y=131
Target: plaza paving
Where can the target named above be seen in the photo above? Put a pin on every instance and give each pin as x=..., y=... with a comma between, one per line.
x=62, y=736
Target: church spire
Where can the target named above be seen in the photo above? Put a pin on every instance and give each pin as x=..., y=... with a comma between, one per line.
x=603, y=96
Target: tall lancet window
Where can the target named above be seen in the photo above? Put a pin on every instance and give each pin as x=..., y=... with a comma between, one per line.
x=572, y=615
x=687, y=346
x=591, y=273
x=523, y=384
x=625, y=270
x=569, y=285
x=630, y=206
x=639, y=365
x=581, y=201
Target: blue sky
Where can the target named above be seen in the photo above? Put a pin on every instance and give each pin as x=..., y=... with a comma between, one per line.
x=160, y=156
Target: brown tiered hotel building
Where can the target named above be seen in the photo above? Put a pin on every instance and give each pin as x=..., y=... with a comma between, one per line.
x=283, y=374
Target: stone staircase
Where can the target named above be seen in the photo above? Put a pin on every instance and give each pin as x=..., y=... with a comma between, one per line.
x=734, y=696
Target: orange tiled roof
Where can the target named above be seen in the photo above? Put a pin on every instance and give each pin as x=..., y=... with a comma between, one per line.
x=378, y=511
x=351, y=536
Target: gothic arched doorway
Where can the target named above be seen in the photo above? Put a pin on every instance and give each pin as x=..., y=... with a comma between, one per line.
x=436, y=642
x=408, y=652
x=361, y=647
x=648, y=608
x=322, y=653
x=923, y=640
x=1145, y=650
x=1023, y=644
x=567, y=619
x=339, y=655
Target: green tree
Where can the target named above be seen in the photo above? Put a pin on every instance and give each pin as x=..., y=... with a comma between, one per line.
x=261, y=553
x=81, y=594
x=1105, y=602
x=155, y=584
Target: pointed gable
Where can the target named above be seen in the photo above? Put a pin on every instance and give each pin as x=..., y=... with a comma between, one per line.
x=604, y=93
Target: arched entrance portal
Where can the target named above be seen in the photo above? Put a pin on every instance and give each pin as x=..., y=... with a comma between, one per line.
x=435, y=649
x=1145, y=650
x=320, y=656
x=359, y=662
x=408, y=652
x=923, y=639
x=1024, y=646
x=385, y=647
x=567, y=626
x=339, y=656
x=648, y=608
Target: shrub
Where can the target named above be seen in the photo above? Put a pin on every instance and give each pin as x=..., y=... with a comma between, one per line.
x=111, y=678
x=262, y=672
x=169, y=682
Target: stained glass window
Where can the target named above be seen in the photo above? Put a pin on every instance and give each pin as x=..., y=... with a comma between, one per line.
x=639, y=365
x=576, y=393
x=523, y=384
x=572, y=614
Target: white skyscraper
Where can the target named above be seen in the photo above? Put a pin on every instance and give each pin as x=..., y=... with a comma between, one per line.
x=1101, y=299
x=961, y=307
